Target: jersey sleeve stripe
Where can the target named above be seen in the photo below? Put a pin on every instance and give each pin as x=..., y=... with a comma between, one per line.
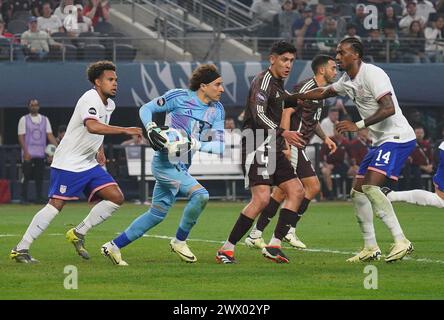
x=179, y=94
x=264, y=118
x=383, y=94
x=89, y=118
x=307, y=86
x=265, y=81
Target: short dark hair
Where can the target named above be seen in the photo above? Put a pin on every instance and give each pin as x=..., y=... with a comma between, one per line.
x=200, y=74
x=356, y=45
x=319, y=61
x=281, y=47
x=95, y=70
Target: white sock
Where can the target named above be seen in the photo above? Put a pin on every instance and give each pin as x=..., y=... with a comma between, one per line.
x=228, y=246
x=419, y=197
x=99, y=213
x=275, y=242
x=255, y=233
x=364, y=214
x=383, y=209
x=39, y=223
x=175, y=240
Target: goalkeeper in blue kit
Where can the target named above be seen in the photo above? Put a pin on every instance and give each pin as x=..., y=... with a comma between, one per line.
x=196, y=113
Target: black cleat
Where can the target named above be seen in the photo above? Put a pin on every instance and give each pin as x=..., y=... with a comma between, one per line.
x=275, y=254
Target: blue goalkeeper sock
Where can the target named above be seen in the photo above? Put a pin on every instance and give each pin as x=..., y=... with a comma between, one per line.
x=139, y=226
x=196, y=204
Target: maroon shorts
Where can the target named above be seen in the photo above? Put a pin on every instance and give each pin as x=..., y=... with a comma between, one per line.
x=301, y=163
x=265, y=168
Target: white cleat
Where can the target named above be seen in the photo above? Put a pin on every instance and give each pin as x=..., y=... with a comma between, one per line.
x=399, y=250
x=111, y=251
x=257, y=243
x=367, y=254
x=182, y=249
x=294, y=241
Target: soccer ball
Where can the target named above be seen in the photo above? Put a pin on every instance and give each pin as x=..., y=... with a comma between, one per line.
x=177, y=143
x=50, y=150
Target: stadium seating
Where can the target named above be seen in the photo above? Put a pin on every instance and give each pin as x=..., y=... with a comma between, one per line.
x=17, y=26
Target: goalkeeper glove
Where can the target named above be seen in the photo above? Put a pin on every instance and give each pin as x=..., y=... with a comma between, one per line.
x=157, y=141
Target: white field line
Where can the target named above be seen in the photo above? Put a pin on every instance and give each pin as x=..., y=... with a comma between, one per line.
x=425, y=260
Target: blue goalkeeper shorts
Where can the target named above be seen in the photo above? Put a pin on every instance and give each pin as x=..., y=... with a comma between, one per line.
x=171, y=180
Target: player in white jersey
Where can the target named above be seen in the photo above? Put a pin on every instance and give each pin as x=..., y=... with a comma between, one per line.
x=77, y=162
x=423, y=197
x=393, y=141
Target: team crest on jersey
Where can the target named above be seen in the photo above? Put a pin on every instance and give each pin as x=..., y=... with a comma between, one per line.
x=92, y=111
x=160, y=102
x=277, y=94
x=62, y=189
x=260, y=97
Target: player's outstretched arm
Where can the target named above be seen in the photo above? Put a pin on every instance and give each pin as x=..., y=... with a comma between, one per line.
x=386, y=109
x=96, y=127
x=314, y=94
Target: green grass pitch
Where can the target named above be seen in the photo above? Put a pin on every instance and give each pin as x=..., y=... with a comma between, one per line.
x=329, y=229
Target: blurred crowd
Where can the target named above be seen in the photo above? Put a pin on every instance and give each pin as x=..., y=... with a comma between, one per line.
x=404, y=30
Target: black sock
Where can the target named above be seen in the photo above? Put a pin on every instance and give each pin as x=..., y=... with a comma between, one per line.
x=267, y=214
x=302, y=208
x=286, y=220
x=243, y=224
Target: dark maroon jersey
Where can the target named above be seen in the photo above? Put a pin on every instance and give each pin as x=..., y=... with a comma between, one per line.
x=307, y=114
x=264, y=105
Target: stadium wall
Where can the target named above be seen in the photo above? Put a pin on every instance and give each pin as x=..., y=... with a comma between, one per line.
x=61, y=84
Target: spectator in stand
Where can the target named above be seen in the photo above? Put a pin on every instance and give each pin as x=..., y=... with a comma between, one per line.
x=392, y=37
x=20, y=5
x=299, y=5
x=6, y=8
x=380, y=4
x=420, y=160
x=84, y=24
x=413, y=48
x=440, y=7
x=327, y=41
x=388, y=17
x=435, y=40
x=37, y=7
x=335, y=163
x=231, y=135
x=305, y=30
x=351, y=31
x=320, y=14
x=412, y=15
x=341, y=24
x=98, y=10
x=375, y=48
x=358, y=20
x=60, y=10
x=424, y=8
x=286, y=19
x=36, y=43
x=49, y=22
x=34, y=130
x=356, y=150
x=4, y=33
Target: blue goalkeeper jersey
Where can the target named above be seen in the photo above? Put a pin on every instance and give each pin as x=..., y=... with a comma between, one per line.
x=185, y=112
